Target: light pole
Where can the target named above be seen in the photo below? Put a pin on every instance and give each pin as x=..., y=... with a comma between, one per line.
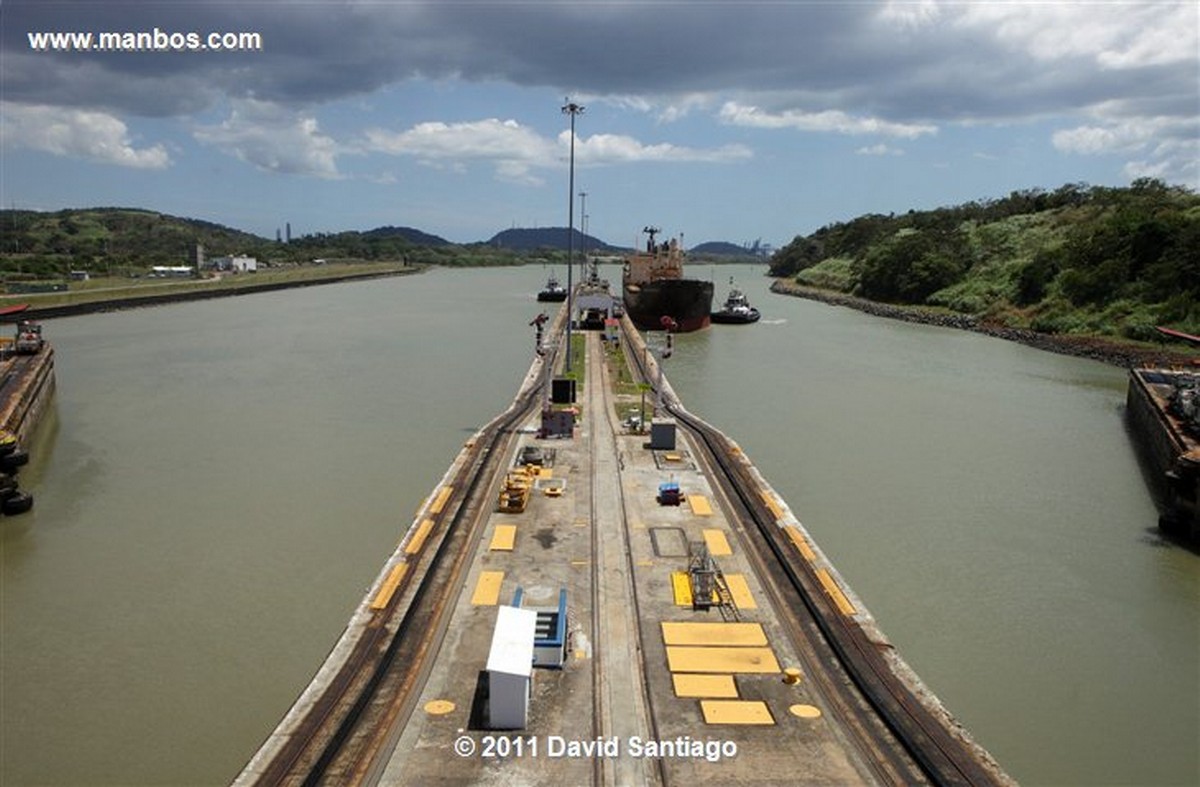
x=572, y=109
x=583, y=231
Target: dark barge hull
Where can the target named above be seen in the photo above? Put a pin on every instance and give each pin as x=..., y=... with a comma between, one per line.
x=686, y=301
x=1172, y=454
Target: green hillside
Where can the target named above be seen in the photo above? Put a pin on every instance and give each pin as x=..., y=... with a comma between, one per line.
x=1078, y=260
x=129, y=240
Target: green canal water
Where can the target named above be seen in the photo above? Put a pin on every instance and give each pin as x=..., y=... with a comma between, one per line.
x=220, y=482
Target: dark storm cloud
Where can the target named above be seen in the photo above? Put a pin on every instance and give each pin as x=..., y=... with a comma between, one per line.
x=902, y=65
x=318, y=52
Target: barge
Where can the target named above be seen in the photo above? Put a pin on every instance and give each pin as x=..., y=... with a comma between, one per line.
x=1163, y=407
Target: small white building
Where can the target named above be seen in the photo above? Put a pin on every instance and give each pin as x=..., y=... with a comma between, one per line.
x=510, y=668
x=235, y=264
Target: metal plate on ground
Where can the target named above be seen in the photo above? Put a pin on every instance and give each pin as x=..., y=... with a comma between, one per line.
x=669, y=541
x=736, y=712
x=736, y=660
x=721, y=686
x=504, y=538
x=487, y=589
x=718, y=544
x=701, y=633
x=740, y=590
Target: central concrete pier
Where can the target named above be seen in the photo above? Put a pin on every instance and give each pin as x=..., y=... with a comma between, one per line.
x=780, y=676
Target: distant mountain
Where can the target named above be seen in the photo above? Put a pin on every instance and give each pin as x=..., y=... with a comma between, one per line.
x=724, y=249
x=413, y=236
x=546, y=238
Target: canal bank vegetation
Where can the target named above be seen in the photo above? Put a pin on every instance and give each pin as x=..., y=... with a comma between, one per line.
x=1080, y=260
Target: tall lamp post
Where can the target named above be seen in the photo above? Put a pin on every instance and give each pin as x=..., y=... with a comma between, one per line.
x=572, y=109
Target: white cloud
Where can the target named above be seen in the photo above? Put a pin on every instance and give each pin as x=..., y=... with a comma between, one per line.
x=516, y=150
x=832, y=121
x=274, y=139
x=1114, y=35
x=879, y=150
x=1167, y=147
x=96, y=136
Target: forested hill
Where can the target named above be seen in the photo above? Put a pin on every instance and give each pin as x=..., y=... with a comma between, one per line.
x=1080, y=259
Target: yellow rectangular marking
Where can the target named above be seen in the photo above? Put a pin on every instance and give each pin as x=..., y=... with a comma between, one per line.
x=487, y=589
x=389, y=586
x=798, y=539
x=835, y=592
x=681, y=586
x=699, y=633
x=673, y=457
x=439, y=502
x=682, y=658
x=699, y=504
x=717, y=543
x=418, y=539
x=736, y=712
x=704, y=686
x=504, y=538
x=740, y=589
x=769, y=499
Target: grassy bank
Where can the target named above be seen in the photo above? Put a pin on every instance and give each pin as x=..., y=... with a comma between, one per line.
x=1107, y=349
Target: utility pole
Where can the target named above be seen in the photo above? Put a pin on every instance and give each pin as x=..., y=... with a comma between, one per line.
x=583, y=230
x=572, y=109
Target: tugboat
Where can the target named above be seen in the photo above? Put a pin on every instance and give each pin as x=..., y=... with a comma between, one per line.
x=654, y=289
x=553, y=291
x=737, y=309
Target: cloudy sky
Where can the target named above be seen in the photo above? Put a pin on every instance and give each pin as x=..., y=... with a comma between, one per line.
x=725, y=120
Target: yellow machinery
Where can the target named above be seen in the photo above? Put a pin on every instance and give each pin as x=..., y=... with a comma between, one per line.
x=514, y=496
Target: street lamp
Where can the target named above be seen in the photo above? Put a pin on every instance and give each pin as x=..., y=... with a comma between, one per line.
x=572, y=109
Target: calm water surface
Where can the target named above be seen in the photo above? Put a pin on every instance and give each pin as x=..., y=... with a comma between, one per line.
x=220, y=482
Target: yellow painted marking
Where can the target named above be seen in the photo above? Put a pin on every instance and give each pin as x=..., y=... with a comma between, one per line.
x=805, y=711
x=504, y=538
x=696, y=633
x=439, y=502
x=769, y=499
x=646, y=563
x=740, y=590
x=581, y=562
x=673, y=457
x=736, y=660
x=389, y=586
x=439, y=707
x=681, y=587
x=717, y=543
x=581, y=654
x=487, y=589
x=704, y=686
x=835, y=592
x=418, y=539
x=699, y=504
x=798, y=539
x=543, y=472
x=736, y=712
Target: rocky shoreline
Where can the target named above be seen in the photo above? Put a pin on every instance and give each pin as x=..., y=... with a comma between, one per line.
x=1109, y=351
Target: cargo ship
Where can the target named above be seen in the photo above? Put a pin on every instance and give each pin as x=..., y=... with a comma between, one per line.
x=657, y=295
x=1163, y=407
